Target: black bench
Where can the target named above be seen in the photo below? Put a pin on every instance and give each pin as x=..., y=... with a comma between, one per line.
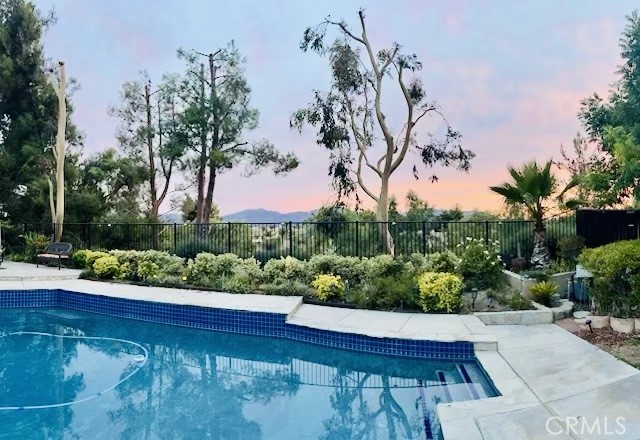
x=55, y=252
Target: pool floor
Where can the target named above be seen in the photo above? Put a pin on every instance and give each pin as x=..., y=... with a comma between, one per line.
x=70, y=374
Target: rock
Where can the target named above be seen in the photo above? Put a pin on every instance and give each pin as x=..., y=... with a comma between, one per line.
x=622, y=325
x=580, y=314
x=599, y=321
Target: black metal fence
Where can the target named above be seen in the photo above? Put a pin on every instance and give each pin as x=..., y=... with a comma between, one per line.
x=600, y=227
x=300, y=240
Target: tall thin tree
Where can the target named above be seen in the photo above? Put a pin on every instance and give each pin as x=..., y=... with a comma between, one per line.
x=352, y=124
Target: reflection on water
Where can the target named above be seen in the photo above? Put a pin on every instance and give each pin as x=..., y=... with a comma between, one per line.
x=199, y=384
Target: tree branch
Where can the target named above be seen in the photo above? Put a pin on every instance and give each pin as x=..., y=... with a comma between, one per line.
x=409, y=124
x=383, y=125
x=346, y=30
x=359, y=137
x=361, y=181
x=234, y=148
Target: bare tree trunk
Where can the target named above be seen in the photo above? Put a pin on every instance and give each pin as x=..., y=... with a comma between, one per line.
x=155, y=204
x=211, y=184
x=382, y=217
x=202, y=167
x=152, y=166
x=59, y=153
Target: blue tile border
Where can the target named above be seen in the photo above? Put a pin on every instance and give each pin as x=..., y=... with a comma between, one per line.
x=235, y=321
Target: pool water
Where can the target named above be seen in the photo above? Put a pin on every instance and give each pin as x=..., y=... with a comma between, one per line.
x=68, y=374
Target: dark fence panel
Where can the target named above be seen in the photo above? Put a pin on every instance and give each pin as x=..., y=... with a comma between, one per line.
x=600, y=227
x=301, y=240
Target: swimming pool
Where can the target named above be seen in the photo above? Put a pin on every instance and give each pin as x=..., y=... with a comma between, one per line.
x=72, y=374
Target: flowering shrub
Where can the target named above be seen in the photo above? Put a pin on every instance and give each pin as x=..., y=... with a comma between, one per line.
x=440, y=292
x=106, y=267
x=480, y=263
x=328, y=286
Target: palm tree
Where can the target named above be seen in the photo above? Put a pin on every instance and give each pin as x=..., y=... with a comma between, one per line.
x=531, y=187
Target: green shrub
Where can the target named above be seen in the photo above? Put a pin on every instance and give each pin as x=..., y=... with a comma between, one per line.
x=286, y=288
x=79, y=258
x=35, y=244
x=445, y=261
x=225, y=271
x=518, y=302
x=92, y=256
x=245, y=277
x=285, y=269
x=440, y=292
x=385, y=266
x=328, y=287
x=352, y=269
x=569, y=248
x=616, y=275
x=393, y=291
x=481, y=264
x=106, y=267
x=167, y=265
x=147, y=269
x=542, y=292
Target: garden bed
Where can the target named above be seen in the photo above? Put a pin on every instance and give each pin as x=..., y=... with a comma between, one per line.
x=625, y=347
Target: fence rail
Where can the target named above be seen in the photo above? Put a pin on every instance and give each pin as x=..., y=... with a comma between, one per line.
x=300, y=240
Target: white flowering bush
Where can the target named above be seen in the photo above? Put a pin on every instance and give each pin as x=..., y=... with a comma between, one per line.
x=480, y=263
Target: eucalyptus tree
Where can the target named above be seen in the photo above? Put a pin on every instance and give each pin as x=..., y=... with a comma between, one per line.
x=215, y=118
x=351, y=121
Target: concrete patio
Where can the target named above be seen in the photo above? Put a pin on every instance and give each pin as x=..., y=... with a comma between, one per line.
x=552, y=383
x=14, y=271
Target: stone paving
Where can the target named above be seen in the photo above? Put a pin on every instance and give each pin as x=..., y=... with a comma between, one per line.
x=13, y=271
x=553, y=384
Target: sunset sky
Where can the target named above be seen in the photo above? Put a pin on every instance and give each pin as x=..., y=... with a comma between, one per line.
x=508, y=75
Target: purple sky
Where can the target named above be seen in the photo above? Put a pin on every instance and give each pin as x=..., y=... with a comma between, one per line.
x=509, y=76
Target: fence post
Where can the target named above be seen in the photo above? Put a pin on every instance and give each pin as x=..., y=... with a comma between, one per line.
x=291, y=239
x=175, y=238
x=228, y=237
x=357, y=239
x=424, y=237
x=486, y=231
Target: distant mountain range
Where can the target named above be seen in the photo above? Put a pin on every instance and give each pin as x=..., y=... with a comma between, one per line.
x=267, y=216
